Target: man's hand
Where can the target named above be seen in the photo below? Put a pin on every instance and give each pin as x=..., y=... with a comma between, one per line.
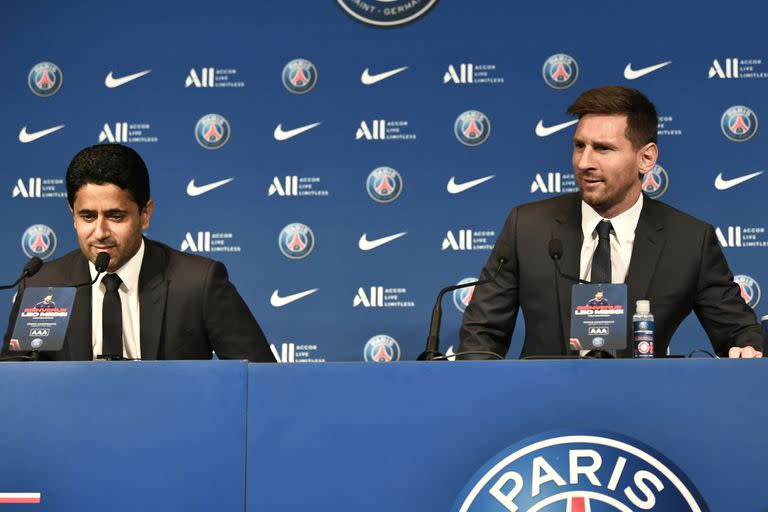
x=744, y=352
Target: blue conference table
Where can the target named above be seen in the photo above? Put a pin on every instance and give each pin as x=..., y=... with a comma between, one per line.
x=224, y=435
x=410, y=436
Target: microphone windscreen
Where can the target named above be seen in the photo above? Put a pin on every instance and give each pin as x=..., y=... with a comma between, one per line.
x=555, y=249
x=33, y=266
x=102, y=262
x=504, y=251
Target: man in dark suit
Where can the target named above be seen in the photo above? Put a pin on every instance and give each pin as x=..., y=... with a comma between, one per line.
x=154, y=302
x=609, y=232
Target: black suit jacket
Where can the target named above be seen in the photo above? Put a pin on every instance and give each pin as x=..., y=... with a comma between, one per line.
x=188, y=308
x=676, y=263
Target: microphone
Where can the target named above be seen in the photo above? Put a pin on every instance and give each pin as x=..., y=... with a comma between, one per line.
x=556, y=253
x=31, y=268
x=431, y=351
x=101, y=264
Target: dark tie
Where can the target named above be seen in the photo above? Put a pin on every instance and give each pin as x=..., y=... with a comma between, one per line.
x=112, y=317
x=601, y=261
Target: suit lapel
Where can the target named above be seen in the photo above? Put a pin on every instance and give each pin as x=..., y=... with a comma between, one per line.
x=649, y=241
x=153, y=290
x=568, y=229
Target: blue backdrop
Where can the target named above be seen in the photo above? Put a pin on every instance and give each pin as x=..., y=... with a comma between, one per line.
x=501, y=59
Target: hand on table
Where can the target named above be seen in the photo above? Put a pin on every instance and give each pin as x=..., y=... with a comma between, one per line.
x=744, y=352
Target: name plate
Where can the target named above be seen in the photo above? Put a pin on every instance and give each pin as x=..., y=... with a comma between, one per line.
x=598, y=316
x=42, y=320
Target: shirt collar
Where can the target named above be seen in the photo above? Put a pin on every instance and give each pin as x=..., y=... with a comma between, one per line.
x=623, y=224
x=128, y=273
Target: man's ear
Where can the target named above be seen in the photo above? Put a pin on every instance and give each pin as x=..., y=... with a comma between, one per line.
x=146, y=214
x=647, y=157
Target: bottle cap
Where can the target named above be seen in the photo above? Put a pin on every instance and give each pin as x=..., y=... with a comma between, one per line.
x=643, y=307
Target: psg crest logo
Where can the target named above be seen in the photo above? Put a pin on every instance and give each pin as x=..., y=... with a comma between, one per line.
x=386, y=13
x=655, y=182
x=472, y=128
x=462, y=296
x=384, y=184
x=38, y=240
x=739, y=123
x=299, y=76
x=560, y=71
x=296, y=241
x=381, y=349
x=579, y=472
x=45, y=79
x=212, y=131
x=750, y=290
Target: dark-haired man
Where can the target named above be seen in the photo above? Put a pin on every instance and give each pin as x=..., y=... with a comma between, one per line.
x=154, y=302
x=610, y=233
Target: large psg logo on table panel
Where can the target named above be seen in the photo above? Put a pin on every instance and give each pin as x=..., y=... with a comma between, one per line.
x=579, y=472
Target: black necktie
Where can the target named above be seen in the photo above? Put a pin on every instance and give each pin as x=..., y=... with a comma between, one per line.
x=112, y=317
x=601, y=261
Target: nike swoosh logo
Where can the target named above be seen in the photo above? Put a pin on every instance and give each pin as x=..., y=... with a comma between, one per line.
x=367, y=245
x=113, y=82
x=458, y=188
x=25, y=137
x=546, y=131
x=280, y=134
x=723, y=184
x=277, y=301
x=631, y=74
x=194, y=190
x=369, y=79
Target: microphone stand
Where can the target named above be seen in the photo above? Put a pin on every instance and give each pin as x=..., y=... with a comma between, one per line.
x=564, y=345
x=556, y=252
x=431, y=351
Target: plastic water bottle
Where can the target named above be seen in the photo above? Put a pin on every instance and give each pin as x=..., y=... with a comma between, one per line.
x=642, y=330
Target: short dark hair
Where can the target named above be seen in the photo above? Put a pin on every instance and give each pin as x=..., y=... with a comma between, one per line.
x=109, y=163
x=642, y=119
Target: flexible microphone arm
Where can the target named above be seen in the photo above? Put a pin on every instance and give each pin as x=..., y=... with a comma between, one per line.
x=433, y=339
x=431, y=351
x=31, y=268
x=556, y=253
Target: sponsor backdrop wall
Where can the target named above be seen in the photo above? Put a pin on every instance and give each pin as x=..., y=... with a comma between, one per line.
x=345, y=170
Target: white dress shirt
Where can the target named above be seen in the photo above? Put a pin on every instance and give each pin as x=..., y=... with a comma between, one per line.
x=622, y=240
x=129, y=300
